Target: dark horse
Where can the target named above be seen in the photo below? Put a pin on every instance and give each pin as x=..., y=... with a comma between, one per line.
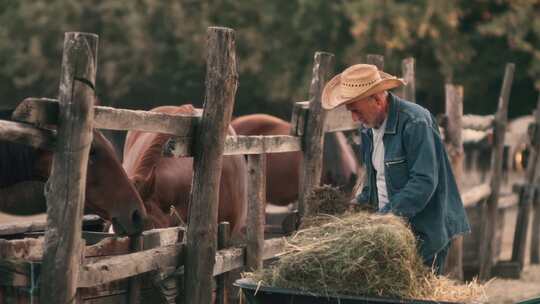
x=165, y=182
x=109, y=192
x=283, y=169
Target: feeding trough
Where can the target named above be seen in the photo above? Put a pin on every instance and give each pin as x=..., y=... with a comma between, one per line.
x=255, y=294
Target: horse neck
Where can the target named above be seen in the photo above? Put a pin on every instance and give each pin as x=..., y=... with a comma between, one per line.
x=151, y=155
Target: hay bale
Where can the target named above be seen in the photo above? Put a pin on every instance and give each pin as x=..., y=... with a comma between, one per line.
x=360, y=254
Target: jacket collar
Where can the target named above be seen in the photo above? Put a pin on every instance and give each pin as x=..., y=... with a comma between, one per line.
x=393, y=114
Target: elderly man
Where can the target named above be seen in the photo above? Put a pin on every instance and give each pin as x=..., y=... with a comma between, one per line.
x=407, y=168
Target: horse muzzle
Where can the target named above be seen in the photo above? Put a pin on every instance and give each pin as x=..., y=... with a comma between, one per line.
x=128, y=225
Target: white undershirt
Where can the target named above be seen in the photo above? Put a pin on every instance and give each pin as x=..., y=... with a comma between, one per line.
x=378, y=163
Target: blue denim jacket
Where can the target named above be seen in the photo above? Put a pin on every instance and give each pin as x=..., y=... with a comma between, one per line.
x=419, y=180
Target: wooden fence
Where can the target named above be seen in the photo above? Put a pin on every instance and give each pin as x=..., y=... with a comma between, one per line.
x=67, y=266
x=70, y=271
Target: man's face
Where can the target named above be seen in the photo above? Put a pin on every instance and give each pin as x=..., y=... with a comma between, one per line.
x=370, y=111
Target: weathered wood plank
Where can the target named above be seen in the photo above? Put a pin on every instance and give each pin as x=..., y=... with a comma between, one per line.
x=127, y=265
x=408, y=91
x=134, y=282
x=229, y=259
x=297, y=119
x=31, y=226
x=256, y=211
x=535, y=233
x=27, y=135
x=32, y=248
x=477, y=122
x=224, y=239
x=312, y=147
x=454, y=146
x=44, y=111
x=66, y=185
x=535, y=229
x=338, y=119
x=29, y=249
x=489, y=210
x=475, y=195
x=221, y=85
x=163, y=259
x=237, y=145
x=18, y=273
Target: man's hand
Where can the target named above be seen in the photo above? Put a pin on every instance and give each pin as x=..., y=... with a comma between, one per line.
x=354, y=206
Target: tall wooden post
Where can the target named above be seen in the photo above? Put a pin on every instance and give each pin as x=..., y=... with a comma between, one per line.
x=312, y=146
x=454, y=146
x=535, y=233
x=527, y=196
x=221, y=85
x=224, y=240
x=65, y=189
x=489, y=209
x=256, y=206
x=377, y=60
x=409, y=90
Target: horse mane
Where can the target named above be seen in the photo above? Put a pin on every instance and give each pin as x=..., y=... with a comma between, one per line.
x=152, y=154
x=17, y=161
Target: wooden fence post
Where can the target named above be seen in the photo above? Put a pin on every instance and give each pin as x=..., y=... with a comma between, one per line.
x=255, y=216
x=221, y=85
x=535, y=233
x=377, y=60
x=489, y=209
x=527, y=196
x=65, y=188
x=312, y=145
x=409, y=90
x=134, y=284
x=224, y=240
x=454, y=146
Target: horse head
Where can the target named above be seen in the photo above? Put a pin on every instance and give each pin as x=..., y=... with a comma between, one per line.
x=109, y=191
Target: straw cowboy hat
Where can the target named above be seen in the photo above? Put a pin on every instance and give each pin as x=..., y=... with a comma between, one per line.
x=357, y=82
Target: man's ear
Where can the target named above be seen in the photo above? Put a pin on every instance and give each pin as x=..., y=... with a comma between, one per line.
x=380, y=98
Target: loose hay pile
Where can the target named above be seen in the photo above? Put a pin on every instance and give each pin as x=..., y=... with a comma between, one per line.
x=360, y=254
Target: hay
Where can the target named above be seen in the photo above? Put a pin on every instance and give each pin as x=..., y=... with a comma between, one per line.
x=360, y=254
x=327, y=200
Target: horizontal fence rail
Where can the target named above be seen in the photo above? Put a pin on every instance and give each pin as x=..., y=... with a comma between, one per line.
x=478, y=122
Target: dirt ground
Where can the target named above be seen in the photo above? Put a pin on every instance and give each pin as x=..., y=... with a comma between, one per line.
x=501, y=291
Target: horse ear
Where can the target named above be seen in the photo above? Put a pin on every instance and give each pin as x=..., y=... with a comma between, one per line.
x=145, y=186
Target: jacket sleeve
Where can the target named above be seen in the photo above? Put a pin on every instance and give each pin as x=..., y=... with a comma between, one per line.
x=419, y=143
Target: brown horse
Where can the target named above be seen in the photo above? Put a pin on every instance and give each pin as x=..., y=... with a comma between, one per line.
x=166, y=181
x=283, y=169
x=109, y=192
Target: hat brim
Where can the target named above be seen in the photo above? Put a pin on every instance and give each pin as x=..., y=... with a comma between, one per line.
x=332, y=97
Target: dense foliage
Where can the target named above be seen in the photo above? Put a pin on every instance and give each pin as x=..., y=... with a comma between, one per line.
x=152, y=52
